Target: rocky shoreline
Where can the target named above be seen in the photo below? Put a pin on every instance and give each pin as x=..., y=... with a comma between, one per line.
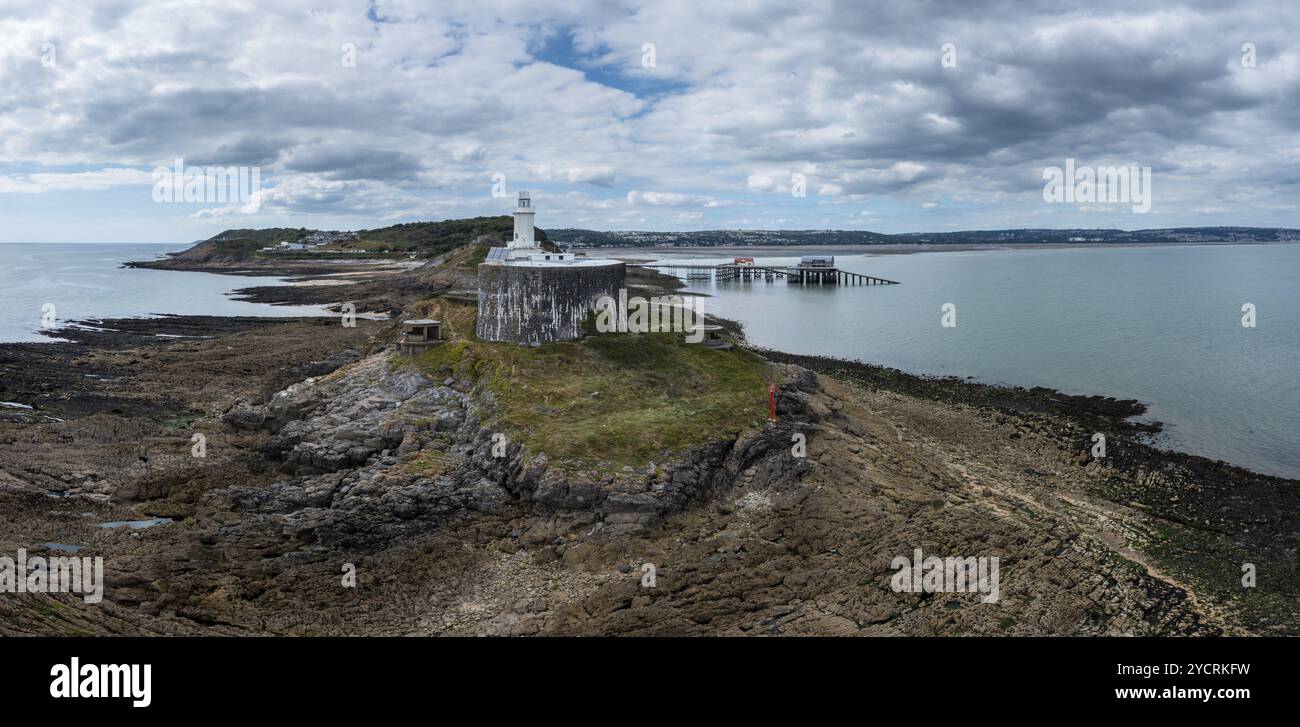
x=324, y=452
x=1075, y=418
x=1211, y=500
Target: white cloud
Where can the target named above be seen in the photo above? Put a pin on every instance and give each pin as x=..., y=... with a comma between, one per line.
x=670, y=199
x=38, y=183
x=553, y=96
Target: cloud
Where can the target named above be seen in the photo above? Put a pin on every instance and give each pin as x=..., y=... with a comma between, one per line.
x=433, y=100
x=763, y=183
x=103, y=179
x=602, y=176
x=670, y=199
x=343, y=162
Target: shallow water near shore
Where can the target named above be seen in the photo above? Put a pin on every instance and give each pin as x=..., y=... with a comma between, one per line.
x=86, y=281
x=1162, y=325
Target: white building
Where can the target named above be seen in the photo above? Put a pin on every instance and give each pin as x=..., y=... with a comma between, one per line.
x=524, y=243
x=523, y=247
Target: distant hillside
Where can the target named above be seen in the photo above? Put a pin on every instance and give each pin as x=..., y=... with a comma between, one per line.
x=741, y=238
x=238, y=245
x=243, y=248
x=713, y=238
x=429, y=239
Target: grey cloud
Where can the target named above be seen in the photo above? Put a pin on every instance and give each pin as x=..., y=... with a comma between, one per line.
x=345, y=162
x=846, y=91
x=244, y=151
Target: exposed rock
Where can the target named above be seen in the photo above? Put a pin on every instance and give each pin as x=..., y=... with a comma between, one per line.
x=375, y=468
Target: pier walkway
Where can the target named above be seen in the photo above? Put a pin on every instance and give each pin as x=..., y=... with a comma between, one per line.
x=799, y=275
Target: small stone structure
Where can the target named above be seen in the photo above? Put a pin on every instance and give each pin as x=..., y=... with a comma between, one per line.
x=528, y=295
x=419, y=336
x=712, y=336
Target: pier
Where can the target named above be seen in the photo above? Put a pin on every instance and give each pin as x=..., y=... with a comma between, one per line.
x=796, y=275
x=833, y=276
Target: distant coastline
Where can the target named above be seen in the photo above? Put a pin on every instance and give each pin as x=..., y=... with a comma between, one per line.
x=894, y=248
x=593, y=239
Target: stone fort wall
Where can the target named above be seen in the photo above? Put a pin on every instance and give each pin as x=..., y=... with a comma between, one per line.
x=525, y=304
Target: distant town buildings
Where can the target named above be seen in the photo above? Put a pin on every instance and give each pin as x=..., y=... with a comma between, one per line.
x=314, y=239
x=583, y=239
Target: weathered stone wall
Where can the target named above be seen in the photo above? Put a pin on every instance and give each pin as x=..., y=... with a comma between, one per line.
x=526, y=304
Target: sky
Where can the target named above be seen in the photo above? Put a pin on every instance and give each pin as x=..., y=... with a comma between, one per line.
x=887, y=116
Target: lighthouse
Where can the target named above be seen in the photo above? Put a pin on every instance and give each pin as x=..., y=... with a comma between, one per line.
x=523, y=239
x=530, y=295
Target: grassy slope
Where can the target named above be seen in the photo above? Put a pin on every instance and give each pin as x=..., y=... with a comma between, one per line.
x=428, y=239
x=235, y=245
x=435, y=237
x=610, y=400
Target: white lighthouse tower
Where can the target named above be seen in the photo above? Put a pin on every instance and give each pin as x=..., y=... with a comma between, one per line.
x=523, y=239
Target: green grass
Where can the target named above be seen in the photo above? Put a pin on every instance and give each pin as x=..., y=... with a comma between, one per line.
x=305, y=255
x=478, y=255
x=259, y=238
x=612, y=400
x=429, y=464
x=426, y=239
x=431, y=239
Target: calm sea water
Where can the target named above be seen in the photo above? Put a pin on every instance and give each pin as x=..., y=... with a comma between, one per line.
x=85, y=281
x=1159, y=324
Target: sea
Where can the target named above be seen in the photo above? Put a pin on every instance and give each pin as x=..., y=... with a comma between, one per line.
x=1170, y=326
x=46, y=285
